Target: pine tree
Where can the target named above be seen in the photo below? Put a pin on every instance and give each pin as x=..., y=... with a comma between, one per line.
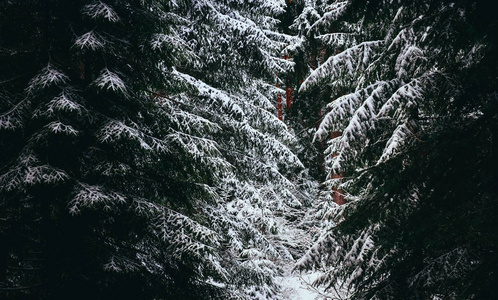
x=143, y=155
x=306, y=54
x=262, y=191
x=414, y=107
x=101, y=187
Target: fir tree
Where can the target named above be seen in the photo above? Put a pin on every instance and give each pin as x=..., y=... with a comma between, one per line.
x=414, y=152
x=100, y=187
x=143, y=157
x=262, y=191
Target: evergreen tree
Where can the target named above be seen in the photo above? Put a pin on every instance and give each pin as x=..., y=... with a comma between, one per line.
x=414, y=105
x=263, y=190
x=143, y=155
x=306, y=54
x=101, y=187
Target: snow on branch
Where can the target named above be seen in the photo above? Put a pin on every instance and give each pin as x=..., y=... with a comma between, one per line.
x=272, y=149
x=59, y=127
x=161, y=40
x=198, y=147
x=335, y=10
x=363, y=120
x=111, y=81
x=406, y=96
x=395, y=142
x=406, y=37
x=220, y=96
x=355, y=251
x=90, y=40
x=28, y=171
x=89, y=196
x=9, y=121
x=276, y=64
x=453, y=264
x=337, y=39
x=341, y=111
x=169, y=223
x=121, y=264
x=174, y=48
x=99, y=9
x=65, y=102
x=259, y=110
x=410, y=58
x=408, y=62
x=188, y=122
x=145, y=207
x=318, y=253
x=23, y=175
x=111, y=169
x=116, y=130
x=47, y=77
x=343, y=66
x=261, y=94
x=202, y=149
x=187, y=238
x=44, y=174
x=364, y=117
x=268, y=123
x=54, y=128
x=274, y=7
x=12, y=119
x=302, y=22
x=252, y=36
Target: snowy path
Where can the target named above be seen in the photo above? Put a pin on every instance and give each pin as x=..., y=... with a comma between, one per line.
x=298, y=287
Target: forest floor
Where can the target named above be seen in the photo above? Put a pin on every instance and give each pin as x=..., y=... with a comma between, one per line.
x=297, y=286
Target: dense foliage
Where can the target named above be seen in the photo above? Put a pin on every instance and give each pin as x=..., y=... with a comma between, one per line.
x=414, y=102
x=144, y=154
x=141, y=157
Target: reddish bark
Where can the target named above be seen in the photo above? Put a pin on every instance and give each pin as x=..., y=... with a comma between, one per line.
x=279, y=106
x=288, y=96
x=335, y=134
x=338, y=197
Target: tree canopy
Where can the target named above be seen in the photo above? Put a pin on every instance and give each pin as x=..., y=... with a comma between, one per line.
x=200, y=149
x=414, y=155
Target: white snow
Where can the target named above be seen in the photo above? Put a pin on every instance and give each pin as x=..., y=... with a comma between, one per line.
x=344, y=65
x=335, y=10
x=47, y=77
x=299, y=287
x=89, y=40
x=100, y=10
x=111, y=81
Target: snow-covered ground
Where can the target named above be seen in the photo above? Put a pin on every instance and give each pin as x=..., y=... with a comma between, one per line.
x=298, y=287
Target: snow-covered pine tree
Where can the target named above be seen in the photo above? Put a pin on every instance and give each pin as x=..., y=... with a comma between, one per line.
x=102, y=190
x=263, y=188
x=144, y=135
x=415, y=107
x=305, y=54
